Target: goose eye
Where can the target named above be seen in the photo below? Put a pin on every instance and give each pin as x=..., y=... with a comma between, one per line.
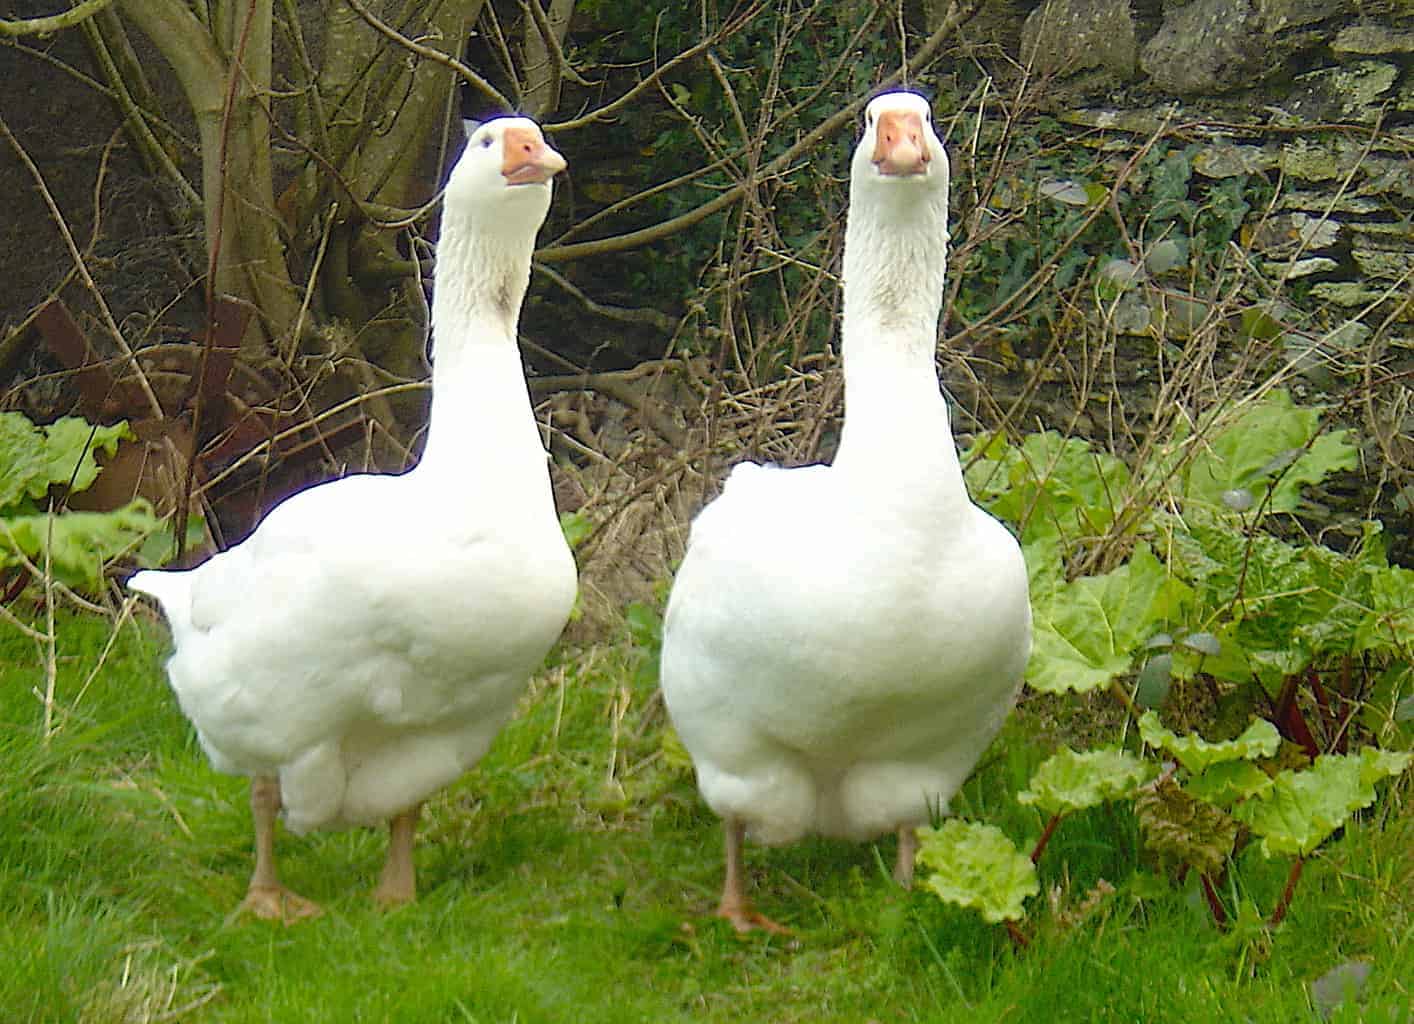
x=485, y=142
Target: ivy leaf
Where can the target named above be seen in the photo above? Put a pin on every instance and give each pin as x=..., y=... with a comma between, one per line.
x=1304, y=807
x=1227, y=782
x=1087, y=631
x=1265, y=446
x=1177, y=825
x=1169, y=181
x=1068, y=781
x=1260, y=739
x=977, y=866
x=1071, y=193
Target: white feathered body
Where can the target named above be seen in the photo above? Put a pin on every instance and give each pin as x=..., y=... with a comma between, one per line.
x=842, y=642
x=365, y=644
x=839, y=659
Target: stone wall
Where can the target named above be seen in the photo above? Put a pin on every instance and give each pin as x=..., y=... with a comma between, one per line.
x=1315, y=94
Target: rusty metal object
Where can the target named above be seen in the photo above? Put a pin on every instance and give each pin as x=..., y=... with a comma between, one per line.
x=239, y=411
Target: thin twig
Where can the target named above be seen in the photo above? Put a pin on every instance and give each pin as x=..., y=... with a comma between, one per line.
x=53, y=23
x=428, y=53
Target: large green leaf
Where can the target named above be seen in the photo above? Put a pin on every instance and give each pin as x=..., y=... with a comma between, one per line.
x=32, y=459
x=79, y=544
x=1059, y=487
x=21, y=458
x=1086, y=632
x=1068, y=781
x=977, y=866
x=1227, y=782
x=1262, y=448
x=1388, y=622
x=70, y=446
x=1277, y=607
x=1260, y=739
x=1304, y=807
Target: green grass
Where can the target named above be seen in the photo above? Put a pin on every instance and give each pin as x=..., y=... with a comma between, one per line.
x=553, y=891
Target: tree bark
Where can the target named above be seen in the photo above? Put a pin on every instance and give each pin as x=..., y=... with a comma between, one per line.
x=246, y=254
x=542, y=72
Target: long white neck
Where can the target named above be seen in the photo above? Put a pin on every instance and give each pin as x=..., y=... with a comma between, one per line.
x=896, y=420
x=482, y=437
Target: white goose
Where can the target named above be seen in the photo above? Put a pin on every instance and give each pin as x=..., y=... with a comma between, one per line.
x=363, y=647
x=842, y=642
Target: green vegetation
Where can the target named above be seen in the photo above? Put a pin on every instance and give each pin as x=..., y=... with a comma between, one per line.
x=1261, y=620
x=571, y=877
x=1202, y=805
x=61, y=459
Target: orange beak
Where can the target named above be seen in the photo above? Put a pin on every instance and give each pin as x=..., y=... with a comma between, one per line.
x=527, y=158
x=899, y=147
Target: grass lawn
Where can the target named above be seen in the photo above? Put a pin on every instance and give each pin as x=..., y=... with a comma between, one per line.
x=571, y=878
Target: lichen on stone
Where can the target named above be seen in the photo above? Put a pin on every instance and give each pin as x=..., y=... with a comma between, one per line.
x=1066, y=36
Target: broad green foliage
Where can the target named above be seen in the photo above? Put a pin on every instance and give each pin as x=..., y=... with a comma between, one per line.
x=1260, y=739
x=1058, y=487
x=79, y=543
x=1303, y=808
x=977, y=866
x=1279, y=607
x=1264, y=608
x=76, y=545
x=1068, y=781
x=1208, y=590
x=1389, y=614
x=1265, y=447
x=32, y=459
x=1086, y=631
x=1227, y=782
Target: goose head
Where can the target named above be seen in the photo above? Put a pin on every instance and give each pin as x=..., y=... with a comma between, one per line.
x=504, y=174
x=899, y=155
x=896, y=231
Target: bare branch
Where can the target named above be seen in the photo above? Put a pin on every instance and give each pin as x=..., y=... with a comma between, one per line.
x=730, y=28
x=427, y=52
x=957, y=13
x=545, y=56
x=54, y=22
x=649, y=316
x=79, y=264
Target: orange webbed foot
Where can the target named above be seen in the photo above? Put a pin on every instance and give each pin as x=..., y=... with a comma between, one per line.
x=276, y=903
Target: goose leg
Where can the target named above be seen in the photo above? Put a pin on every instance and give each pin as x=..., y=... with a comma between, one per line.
x=735, y=907
x=266, y=898
x=907, y=852
x=398, y=884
